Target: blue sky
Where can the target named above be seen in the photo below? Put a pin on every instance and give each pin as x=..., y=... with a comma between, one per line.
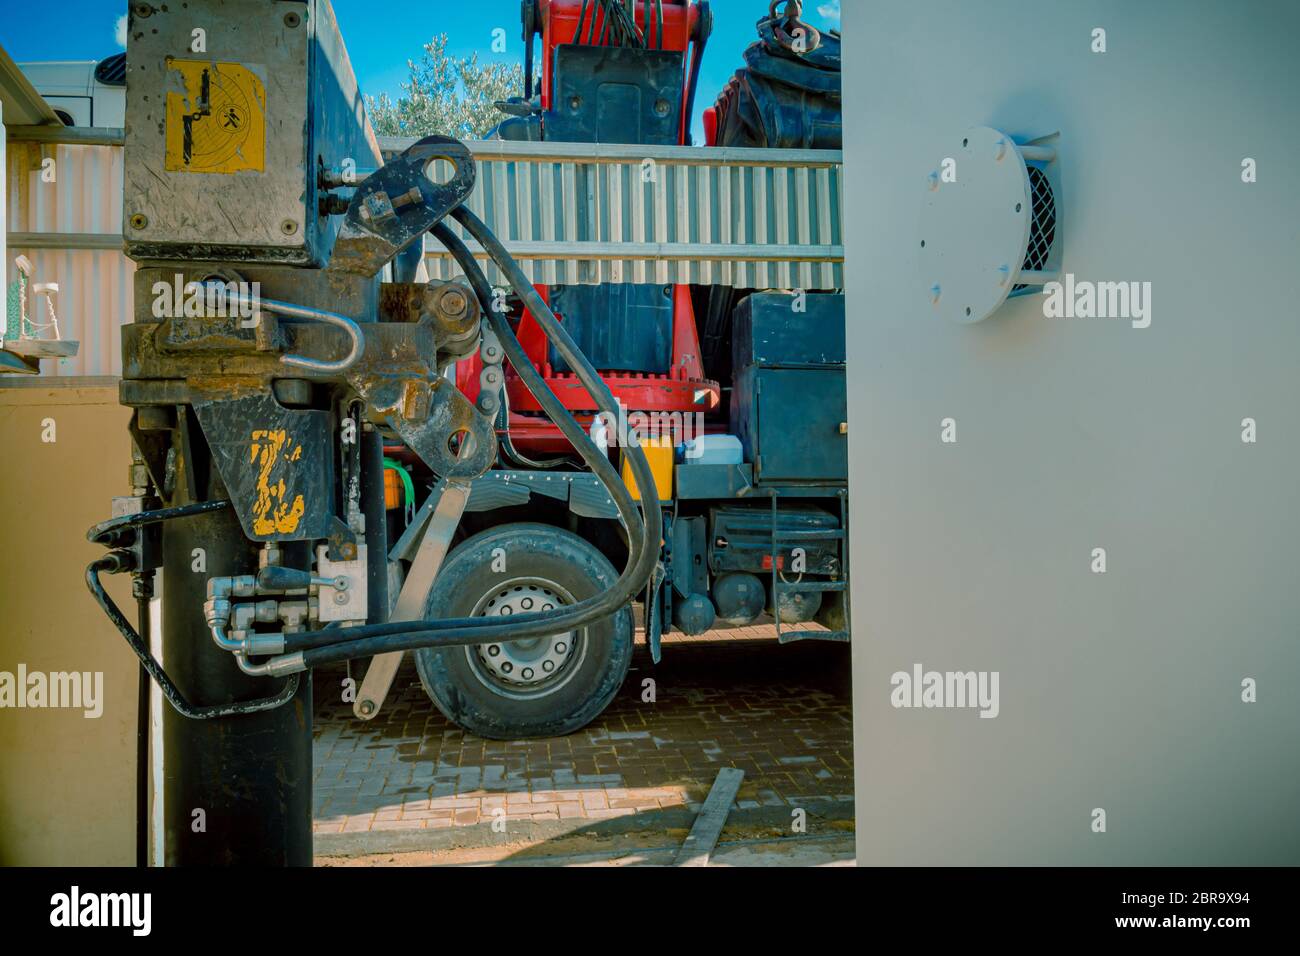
x=89, y=30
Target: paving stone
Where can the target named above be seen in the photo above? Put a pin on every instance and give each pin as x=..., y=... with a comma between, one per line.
x=725, y=699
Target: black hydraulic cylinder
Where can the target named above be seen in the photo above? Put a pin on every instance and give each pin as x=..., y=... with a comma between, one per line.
x=372, y=506
x=237, y=791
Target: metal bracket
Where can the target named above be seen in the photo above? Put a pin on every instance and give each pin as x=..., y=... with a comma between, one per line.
x=451, y=496
x=398, y=203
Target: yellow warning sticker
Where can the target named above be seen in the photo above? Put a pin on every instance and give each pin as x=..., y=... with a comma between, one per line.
x=218, y=125
x=273, y=513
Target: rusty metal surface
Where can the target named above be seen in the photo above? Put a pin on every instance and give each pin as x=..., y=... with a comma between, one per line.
x=276, y=463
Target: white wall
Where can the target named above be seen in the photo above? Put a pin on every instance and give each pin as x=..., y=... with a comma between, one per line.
x=1120, y=690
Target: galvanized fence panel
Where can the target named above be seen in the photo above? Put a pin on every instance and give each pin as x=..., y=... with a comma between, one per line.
x=570, y=213
x=588, y=213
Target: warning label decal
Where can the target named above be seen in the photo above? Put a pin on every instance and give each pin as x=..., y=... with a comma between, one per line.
x=218, y=124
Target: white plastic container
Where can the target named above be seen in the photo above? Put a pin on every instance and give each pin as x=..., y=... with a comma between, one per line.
x=713, y=450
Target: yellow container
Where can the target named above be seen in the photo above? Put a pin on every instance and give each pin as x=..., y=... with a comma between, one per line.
x=393, y=490
x=659, y=453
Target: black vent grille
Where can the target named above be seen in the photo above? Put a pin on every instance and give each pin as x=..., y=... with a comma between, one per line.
x=1042, y=227
x=111, y=71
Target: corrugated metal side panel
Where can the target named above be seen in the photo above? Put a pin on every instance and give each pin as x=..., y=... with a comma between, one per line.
x=750, y=219
x=85, y=197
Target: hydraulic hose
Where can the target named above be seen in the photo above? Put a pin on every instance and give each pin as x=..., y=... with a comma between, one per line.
x=367, y=640
x=117, y=561
x=468, y=630
x=568, y=349
x=594, y=457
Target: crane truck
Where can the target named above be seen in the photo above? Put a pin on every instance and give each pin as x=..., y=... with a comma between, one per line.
x=636, y=397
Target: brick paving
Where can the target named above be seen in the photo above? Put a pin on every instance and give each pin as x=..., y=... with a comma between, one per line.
x=728, y=698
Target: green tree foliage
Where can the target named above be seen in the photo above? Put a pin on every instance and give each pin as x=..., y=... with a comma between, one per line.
x=447, y=95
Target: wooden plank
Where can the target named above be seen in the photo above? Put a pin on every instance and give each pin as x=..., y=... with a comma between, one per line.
x=708, y=826
x=42, y=348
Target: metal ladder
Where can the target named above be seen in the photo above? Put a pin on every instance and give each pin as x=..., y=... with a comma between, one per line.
x=779, y=587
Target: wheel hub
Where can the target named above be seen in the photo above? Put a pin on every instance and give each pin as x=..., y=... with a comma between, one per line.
x=532, y=662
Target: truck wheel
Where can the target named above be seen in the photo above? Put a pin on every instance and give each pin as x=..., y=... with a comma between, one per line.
x=540, y=687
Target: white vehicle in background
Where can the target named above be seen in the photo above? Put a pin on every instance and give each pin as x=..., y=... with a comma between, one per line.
x=83, y=92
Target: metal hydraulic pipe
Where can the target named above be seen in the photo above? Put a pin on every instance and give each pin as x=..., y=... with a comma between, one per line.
x=357, y=340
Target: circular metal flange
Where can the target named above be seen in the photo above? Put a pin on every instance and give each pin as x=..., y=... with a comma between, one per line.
x=974, y=225
x=532, y=667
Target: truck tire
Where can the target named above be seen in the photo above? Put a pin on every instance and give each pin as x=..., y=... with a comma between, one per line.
x=542, y=687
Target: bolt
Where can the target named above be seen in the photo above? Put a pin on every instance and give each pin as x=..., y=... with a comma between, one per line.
x=288, y=227
x=291, y=20
x=454, y=302
x=139, y=221
x=340, y=597
x=367, y=707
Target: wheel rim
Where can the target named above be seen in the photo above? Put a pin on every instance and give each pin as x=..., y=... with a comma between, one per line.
x=533, y=667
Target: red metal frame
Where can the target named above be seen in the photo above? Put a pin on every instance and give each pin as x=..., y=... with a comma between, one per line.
x=560, y=22
x=684, y=388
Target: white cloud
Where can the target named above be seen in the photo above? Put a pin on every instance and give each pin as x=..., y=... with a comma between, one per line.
x=119, y=31
x=830, y=12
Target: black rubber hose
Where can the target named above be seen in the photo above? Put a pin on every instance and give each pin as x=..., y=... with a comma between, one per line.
x=118, y=561
x=368, y=640
x=587, y=375
x=536, y=384
x=107, y=532
x=582, y=16
x=697, y=56
x=142, y=740
x=453, y=631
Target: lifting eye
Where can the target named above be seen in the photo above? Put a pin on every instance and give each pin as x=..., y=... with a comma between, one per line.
x=440, y=170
